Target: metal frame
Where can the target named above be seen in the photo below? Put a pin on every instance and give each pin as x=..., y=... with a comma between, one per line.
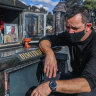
x=13, y=69
x=23, y=23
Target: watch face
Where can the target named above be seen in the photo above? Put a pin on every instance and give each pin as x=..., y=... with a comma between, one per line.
x=53, y=85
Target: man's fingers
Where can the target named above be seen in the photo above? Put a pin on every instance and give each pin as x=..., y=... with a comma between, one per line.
x=33, y=93
x=50, y=66
x=45, y=68
x=36, y=94
x=50, y=72
x=54, y=71
x=47, y=71
x=39, y=95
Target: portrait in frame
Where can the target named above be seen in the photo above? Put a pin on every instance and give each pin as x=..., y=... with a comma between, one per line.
x=10, y=33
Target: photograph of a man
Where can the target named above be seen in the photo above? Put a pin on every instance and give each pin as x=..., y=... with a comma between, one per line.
x=12, y=34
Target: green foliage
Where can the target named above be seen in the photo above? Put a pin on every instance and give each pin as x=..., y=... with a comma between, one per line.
x=70, y=3
x=90, y=4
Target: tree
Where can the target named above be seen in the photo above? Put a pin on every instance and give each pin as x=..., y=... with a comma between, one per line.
x=49, y=19
x=90, y=4
x=70, y=3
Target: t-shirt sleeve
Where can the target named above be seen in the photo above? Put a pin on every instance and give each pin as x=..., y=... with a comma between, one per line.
x=89, y=72
x=57, y=40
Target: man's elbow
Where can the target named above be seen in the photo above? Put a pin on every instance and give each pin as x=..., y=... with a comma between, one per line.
x=86, y=89
x=44, y=43
x=89, y=89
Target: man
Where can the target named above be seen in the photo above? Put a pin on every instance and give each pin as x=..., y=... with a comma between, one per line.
x=12, y=34
x=81, y=40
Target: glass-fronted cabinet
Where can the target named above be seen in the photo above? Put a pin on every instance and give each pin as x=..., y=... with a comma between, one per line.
x=34, y=25
x=27, y=25
x=9, y=26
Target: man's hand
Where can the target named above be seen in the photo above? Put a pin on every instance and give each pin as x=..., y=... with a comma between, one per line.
x=42, y=90
x=50, y=66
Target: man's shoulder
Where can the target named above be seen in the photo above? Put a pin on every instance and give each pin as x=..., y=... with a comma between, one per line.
x=94, y=35
x=93, y=39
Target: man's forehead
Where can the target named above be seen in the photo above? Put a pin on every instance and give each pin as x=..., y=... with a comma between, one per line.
x=76, y=16
x=74, y=25
x=74, y=21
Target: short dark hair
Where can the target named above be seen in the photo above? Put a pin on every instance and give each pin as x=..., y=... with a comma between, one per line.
x=72, y=11
x=12, y=26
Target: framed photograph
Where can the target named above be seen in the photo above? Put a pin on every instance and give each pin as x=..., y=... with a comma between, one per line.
x=10, y=33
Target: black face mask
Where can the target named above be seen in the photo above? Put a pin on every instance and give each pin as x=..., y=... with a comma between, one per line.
x=76, y=37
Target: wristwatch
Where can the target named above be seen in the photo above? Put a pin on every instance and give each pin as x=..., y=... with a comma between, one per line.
x=53, y=85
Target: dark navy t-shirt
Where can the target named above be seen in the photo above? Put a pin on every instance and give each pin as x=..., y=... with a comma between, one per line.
x=83, y=55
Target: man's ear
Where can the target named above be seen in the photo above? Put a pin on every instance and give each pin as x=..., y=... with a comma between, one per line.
x=88, y=27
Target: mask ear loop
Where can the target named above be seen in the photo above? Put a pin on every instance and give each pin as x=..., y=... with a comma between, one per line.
x=85, y=26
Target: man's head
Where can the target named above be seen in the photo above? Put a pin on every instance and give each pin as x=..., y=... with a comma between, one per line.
x=82, y=10
x=78, y=23
x=12, y=29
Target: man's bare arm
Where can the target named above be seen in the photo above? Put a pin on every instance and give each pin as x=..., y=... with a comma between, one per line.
x=76, y=85
x=50, y=66
x=45, y=46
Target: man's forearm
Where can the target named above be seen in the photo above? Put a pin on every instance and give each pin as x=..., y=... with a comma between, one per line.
x=45, y=46
x=77, y=85
x=50, y=65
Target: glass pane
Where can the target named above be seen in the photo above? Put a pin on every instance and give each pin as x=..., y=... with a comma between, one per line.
x=31, y=26
x=10, y=33
x=34, y=25
x=41, y=25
